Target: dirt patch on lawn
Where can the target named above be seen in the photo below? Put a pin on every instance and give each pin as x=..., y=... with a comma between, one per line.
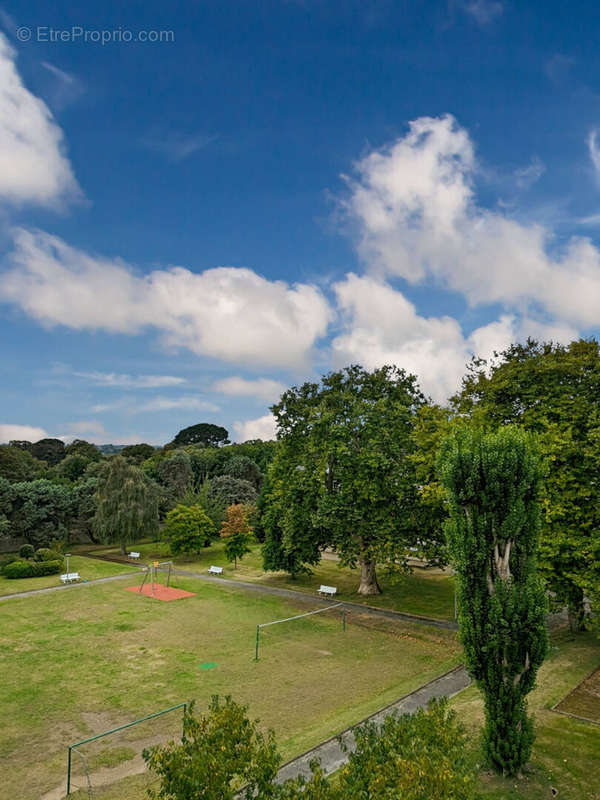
x=584, y=700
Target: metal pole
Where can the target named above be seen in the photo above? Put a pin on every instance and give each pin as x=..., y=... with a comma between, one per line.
x=69, y=773
x=257, y=635
x=67, y=556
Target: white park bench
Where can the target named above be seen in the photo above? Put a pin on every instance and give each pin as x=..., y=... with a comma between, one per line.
x=70, y=577
x=328, y=591
x=215, y=570
x=134, y=555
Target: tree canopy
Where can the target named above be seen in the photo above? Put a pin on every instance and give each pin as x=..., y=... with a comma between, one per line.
x=49, y=450
x=203, y=433
x=127, y=504
x=552, y=390
x=188, y=529
x=342, y=475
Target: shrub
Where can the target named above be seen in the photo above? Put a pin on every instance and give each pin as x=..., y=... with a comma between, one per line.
x=46, y=554
x=31, y=569
x=26, y=551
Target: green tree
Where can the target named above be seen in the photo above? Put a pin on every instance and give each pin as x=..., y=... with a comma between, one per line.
x=73, y=467
x=553, y=391
x=342, y=475
x=219, y=752
x=17, y=464
x=40, y=511
x=244, y=468
x=83, y=496
x=175, y=475
x=136, y=453
x=188, y=529
x=126, y=504
x=7, y=497
x=79, y=447
x=227, y=490
x=237, y=532
x=49, y=450
x=204, y=433
x=492, y=482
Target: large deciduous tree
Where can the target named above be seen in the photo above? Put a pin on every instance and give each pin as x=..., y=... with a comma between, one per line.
x=126, y=504
x=49, y=450
x=204, y=433
x=40, y=511
x=553, y=391
x=17, y=464
x=492, y=481
x=342, y=476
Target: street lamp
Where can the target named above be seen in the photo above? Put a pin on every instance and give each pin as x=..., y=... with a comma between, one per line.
x=67, y=556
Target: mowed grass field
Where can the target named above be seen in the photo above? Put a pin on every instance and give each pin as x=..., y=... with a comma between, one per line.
x=426, y=592
x=566, y=753
x=89, y=569
x=88, y=658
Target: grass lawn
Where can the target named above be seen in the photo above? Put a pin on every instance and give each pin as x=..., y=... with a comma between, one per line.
x=428, y=593
x=584, y=701
x=80, y=661
x=88, y=568
x=566, y=753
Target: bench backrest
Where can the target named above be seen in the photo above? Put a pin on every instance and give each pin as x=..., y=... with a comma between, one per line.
x=216, y=569
x=328, y=589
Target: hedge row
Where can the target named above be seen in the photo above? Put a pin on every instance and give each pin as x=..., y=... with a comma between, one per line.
x=31, y=569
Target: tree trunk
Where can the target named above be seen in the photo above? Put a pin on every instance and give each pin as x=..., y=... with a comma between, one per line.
x=368, y=577
x=576, y=618
x=123, y=548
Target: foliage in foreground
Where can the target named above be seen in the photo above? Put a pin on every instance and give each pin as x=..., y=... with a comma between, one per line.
x=413, y=756
x=493, y=486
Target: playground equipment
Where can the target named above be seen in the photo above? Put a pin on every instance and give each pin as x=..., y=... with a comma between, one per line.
x=151, y=574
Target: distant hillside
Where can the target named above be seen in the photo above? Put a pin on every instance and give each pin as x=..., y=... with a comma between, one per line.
x=110, y=449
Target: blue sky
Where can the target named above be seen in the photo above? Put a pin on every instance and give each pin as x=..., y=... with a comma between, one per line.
x=275, y=189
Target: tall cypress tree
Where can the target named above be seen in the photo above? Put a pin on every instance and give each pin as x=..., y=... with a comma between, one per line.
x=492, y=482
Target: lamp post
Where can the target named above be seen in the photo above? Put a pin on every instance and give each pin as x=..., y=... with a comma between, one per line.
x=67, y=556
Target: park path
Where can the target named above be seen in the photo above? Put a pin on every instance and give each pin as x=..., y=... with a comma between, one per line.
x=330, y=753
x=65, y=587
x=289, y=594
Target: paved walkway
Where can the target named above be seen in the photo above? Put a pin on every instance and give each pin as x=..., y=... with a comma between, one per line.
x=68, y=586
x=331, y=755
x=297, y=596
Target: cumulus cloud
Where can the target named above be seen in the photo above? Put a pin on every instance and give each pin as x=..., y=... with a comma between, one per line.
x=416, y=216
x=33, y=165
x=262, y=388
x=261, y=428
x=227, y=313
x=121, y=381
x=380, y=326
x=26, y=433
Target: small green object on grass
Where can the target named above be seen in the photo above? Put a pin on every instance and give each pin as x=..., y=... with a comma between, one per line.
x=208, y=665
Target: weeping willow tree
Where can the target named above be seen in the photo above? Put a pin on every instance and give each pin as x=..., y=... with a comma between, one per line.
x=492, y=482
x=126, y=504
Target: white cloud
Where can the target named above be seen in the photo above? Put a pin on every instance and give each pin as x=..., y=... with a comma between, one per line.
x=33, y=164
x=184, y=402
x=416, y=215
x=382, y=327
x=177, y=146
x=263, y=388
x=527, y=176
x=483, y=11
x=228, y=313
x=27, y=433
x=594, y=150
x=261, y=428
x=85, y=426
x=130, y=381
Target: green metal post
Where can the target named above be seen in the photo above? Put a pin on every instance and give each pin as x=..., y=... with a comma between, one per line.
x=257, y=635
x=69, y=773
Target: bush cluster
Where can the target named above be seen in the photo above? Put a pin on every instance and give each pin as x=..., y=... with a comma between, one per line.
x=32, y=569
